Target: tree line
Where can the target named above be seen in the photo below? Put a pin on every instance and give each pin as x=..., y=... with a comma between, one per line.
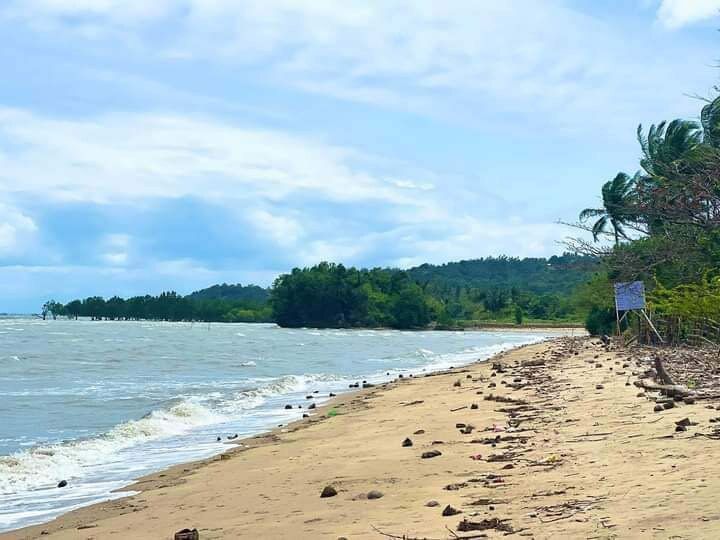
x=168, y=306
x=660, y=224
x=501, y=289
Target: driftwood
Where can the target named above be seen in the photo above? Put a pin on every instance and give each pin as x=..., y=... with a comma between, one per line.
x=662, y=374
x=666, y=389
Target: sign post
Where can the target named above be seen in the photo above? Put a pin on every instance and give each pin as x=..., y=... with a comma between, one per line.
x=630, y=296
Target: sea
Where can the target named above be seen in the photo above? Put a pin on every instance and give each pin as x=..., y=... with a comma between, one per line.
x=98, y=404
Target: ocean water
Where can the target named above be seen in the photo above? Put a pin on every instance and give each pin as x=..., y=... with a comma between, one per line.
x=99, y=404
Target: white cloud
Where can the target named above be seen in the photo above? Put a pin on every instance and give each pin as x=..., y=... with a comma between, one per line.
x=115, y=259
x=678, y=13
x=283, y=230
x=130, y=156
x=16, y=231
x=475, y=61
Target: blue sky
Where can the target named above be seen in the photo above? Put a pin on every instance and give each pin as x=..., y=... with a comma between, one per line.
x=177, y=143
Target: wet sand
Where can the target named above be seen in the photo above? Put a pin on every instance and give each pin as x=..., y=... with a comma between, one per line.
x=566, y=448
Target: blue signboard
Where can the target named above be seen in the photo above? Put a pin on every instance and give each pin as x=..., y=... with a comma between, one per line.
x=630, y=295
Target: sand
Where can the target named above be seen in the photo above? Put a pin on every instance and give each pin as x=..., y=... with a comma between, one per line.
x=585, y=461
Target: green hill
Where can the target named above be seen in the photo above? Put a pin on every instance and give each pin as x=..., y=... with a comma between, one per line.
x=237, y=292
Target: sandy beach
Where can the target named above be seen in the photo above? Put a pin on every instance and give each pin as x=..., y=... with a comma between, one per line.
x=558, y=443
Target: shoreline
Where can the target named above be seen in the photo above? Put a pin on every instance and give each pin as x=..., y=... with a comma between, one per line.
x=128, y=486
x=269, y=485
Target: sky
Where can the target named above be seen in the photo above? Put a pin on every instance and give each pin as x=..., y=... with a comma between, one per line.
x=173, y=144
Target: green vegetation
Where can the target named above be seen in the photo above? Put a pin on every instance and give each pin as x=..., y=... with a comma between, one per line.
x=664, y=223
x=453, y=295
x=221, y=303
x=491, y=290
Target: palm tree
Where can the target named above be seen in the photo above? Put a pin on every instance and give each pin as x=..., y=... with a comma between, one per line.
x=667, y=145
x=617, y=196
x=710, y=121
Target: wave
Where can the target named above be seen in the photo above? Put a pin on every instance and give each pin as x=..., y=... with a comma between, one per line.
x=43, y=466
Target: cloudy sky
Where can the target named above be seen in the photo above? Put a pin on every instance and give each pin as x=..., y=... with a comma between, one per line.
x=177, y=143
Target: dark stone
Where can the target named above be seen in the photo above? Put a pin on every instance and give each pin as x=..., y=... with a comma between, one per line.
x=218, y=439
x=312, y=406
x=306, y=415
x=450, y=511
x=658, y=408
x=474, y=406
x=419, y=432
x=232, y=437
x=431, y=454
x=432, y=504
x=288, y=407
x=374, y=494
x=668, y=405
x=599, y=387
x=187, y=534
x=331, y=394
x=309, y=397
x=328, y=491
x=459, y=425
x=407, y=443
x=457, y=383
x=367, y=385
x=509, y=466
x=62, y=483
x=680, y=428
x=689, y=400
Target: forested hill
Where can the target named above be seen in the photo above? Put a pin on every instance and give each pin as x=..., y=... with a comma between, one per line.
x=556, y=275
x=237, y=292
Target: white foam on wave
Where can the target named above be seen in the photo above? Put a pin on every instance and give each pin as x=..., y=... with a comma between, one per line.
x=44, y=466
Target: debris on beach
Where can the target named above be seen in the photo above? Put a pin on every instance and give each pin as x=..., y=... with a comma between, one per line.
x=187, y=534
x=484, y=525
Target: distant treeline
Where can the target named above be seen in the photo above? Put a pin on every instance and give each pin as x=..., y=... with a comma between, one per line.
x=170, y=306
x=500, y=289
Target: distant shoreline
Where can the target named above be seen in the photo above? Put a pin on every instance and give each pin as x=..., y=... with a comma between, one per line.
x=490, y=325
